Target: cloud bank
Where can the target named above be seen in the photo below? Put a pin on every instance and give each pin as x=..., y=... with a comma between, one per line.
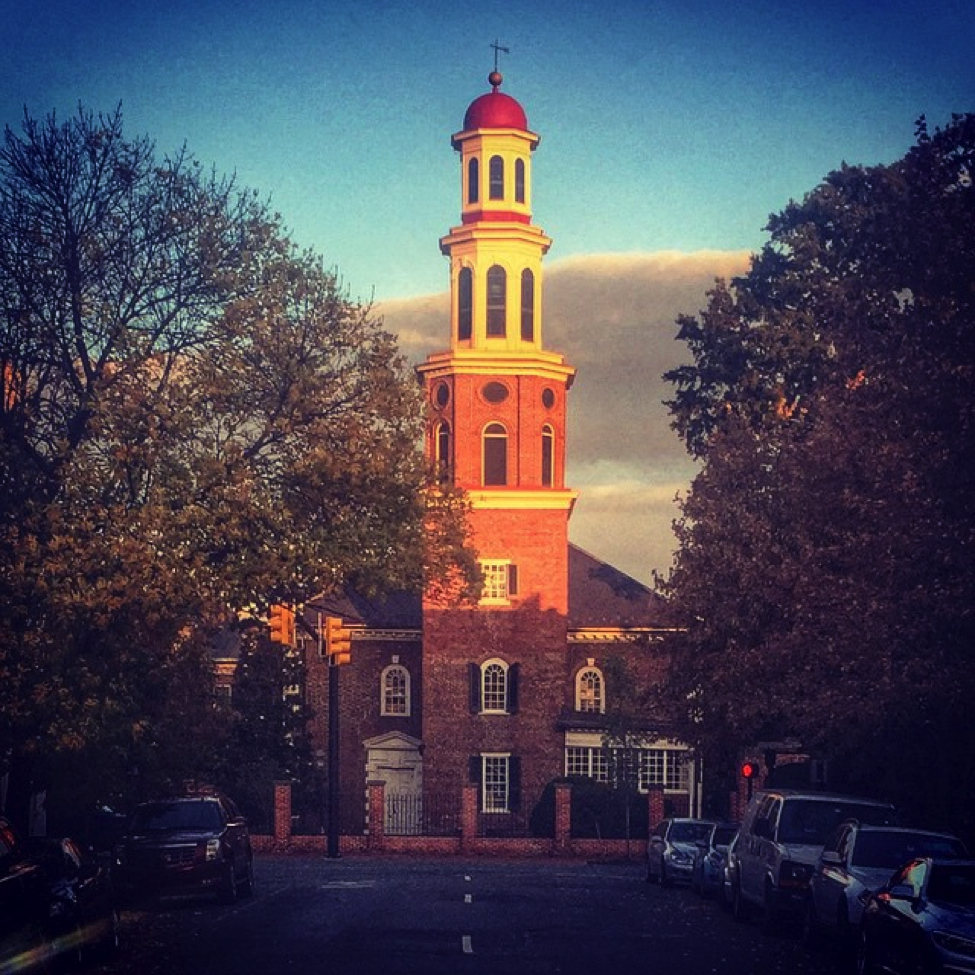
x=613, y=317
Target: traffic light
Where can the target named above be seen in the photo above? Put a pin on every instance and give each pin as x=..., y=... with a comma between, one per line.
x=748, y=770
x=281, y=624
x=338, y=641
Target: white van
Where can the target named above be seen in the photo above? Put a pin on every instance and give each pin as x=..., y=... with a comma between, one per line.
x=781, y=837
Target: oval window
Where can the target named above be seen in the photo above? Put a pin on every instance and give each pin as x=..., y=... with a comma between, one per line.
x=495, y=392
x=548, y=398
x=441, y=395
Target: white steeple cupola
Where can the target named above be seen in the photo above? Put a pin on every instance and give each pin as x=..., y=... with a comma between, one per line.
x=495, y=253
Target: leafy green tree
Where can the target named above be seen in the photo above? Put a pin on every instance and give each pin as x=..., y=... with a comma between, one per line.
x=825, y=572
x=194, y=418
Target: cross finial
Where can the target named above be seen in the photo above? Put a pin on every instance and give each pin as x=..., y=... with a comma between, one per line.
x=498, y=48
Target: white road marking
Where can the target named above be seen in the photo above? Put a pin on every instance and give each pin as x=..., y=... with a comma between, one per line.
x=466, y=945
x=467, y=898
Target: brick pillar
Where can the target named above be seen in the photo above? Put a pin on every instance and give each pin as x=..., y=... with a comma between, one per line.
x=282, y=814
x=563, y=815
x=655, y=799
x=376, y=789
x=468, y=817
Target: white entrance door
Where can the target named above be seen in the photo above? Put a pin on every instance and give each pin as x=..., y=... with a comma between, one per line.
x=395, y=760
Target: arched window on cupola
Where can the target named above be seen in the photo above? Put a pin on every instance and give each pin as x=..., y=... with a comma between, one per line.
x=497, y=287
x=442, y=452
x=520, y=180
x=495, y=453
x=465, y=304
x=472, y=178
x=548, y=456
x=527, y=306
x=496, y=178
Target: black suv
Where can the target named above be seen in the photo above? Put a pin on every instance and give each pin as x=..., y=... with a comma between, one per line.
x=184, y=847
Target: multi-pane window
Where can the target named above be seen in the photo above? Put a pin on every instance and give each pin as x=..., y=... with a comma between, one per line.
x=664, y=766
x=494, y=687
x=497, y=286
x=465, y=304
x=589, y=691
x=495, y=455
x=472, y=177
x=587, y=762
x=548, y=456
x=527, y=306
x=500, y=578
x=495, y=781
x=395, y=683
x=520, y=180
x=496, y=178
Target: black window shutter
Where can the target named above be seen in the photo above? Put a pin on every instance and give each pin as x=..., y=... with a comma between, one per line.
x=474, y=769
x=474, y=677
x=514, y=671
x=514, y=783
x=512, y=579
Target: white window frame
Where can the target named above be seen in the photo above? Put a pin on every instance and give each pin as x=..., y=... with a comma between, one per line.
x=495, y=782
x=387, y=695
x=497, y=694
x=496, y=573
x=589, y=699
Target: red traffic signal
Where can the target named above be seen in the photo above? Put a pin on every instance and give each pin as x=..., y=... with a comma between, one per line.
x=749, y=770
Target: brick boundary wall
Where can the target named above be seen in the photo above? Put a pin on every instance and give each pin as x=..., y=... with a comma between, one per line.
x=375, y=840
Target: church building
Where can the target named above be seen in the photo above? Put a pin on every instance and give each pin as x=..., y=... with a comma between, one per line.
x=513, y=693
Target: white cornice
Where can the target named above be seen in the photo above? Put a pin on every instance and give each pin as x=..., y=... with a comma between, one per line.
x=507, y=499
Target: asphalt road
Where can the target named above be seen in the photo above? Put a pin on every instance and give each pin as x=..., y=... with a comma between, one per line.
x=392, y=916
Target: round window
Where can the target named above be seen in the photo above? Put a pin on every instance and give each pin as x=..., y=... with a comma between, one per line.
x=495, y=392
x=441, y=395
x=548, y=398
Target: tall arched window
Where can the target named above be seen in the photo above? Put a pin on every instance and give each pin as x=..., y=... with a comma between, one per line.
x=496, y=178
x=472, y=177
x=465, y=304
x=527, y=306
x=495, y=455
x=494, y=696
x=589, y=691
x=520, y=180
x=395, y=691
x=548, y=456
x=497, y=286
x=442, y=452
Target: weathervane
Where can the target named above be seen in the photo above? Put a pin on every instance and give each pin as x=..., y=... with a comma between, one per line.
x=494, y=78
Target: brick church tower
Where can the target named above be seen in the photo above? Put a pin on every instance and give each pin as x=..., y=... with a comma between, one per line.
x=494, y=675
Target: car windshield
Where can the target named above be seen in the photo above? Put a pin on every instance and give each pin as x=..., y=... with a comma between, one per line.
x=952, y=884
x=723, y=835
x=176, y=815
x=890, y=850
x=810, y=821
x=689, y=832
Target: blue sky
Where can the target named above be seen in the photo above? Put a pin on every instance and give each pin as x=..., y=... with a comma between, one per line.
x=669, y=132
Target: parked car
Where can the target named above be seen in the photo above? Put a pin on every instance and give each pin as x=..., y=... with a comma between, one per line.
x=781, y=837
x=83, y=917
x=185, y=846
x=55, y=900
x=707, y=867
x=670, y=848
x=857, y=858
x=922, y=920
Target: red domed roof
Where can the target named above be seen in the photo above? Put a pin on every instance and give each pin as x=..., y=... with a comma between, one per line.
x=495, y=110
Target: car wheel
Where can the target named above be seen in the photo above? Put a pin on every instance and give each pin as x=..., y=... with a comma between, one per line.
x=228, y=890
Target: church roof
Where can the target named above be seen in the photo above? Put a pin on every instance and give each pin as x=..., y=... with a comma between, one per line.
x=600, y=596
x=495, y=110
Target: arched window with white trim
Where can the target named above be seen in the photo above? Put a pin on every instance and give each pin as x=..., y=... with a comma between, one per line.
x=395, y=691
x=590, y=694
x=495, y=455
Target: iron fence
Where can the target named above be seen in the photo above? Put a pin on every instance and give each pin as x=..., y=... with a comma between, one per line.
x=430, y=815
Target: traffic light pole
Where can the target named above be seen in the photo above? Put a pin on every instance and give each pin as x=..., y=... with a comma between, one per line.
x=333, y=760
